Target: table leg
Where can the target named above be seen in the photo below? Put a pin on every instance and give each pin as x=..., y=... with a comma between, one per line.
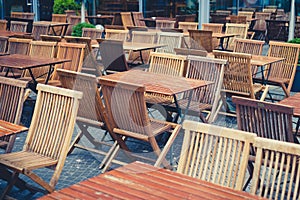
x=49, y=74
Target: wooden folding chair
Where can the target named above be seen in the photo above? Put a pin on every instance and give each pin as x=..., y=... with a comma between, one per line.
x=93, y=33
x=3, y=44
x=137, y=16
x=12, y=93
x=58, y=18
x=3, y=24
x=215, y=154
x=38, y=29
x=126, y=19
x=172, y=40
x=115, y=34
x=162, y=23
x=126, y=109
x=215, y=28
x=185, y=26
x=260, y=25
x=276, y=171
x=201, y=39
x=241, y=31
x=48, y=138
x=18, y=26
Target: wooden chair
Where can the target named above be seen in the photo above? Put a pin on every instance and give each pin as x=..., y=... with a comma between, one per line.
x=238, y=77
x=201, y=39
x=260, y=25
x=48, y=138
x=112, y=55
x=162, y=23
x=12, y=93
x=192, y=52
x=39, y=29
x=42, y=49
x=241, y=31
x=137, y=16
x=18, y=26
x=185, y=26
x=224, y=12
x=3, y=24
x=126, y=109
x=126, y=19
x=91, y=111
x=238, y=19
x=93, y=33
x=58, y=18
x=115, y=34
x=282, y=73
x=141, y=37
x=172, y=40
x=248, y=14
x=72, y=51
x=16, y=14
x=276, y=170
x=3, y=44
x=215, y=28
x=205, y=150
x=72, y=20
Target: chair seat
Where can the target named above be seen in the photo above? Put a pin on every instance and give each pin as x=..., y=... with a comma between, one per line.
x=274, y=80
x=154, y=98
x=24, y=160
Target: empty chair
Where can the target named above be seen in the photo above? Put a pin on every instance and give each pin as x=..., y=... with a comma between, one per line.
x=238, y=19
x=260, y=25
x=112, y=55
x=126, y=19
x=137, y=16
x=215, y=154
x=127, y=112
x=58, y=18
x=172, y=40
x=18, y=26
x=3, y=44
x=11, y=105
x=201, y=39
x=39, y=29
x=162, y=23
x=248, y=14
x=215, y=28
x=93, y=33
x=115, y=34
x=48, y=138
x=240, y=30
x=276, y=171
x=72, y=20
x=141, y=37
x=185, y=26
x=3, y=24
x=193, y=52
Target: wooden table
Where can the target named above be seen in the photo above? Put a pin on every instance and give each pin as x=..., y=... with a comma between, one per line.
x=7, y=128
x=160, y=84
x=4, y=33
x=26, y=62
x=222, y=36
x=142, y=181
x=293, y=101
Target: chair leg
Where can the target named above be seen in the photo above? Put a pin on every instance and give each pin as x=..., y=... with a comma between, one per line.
x=75, y=141
x=10, y=184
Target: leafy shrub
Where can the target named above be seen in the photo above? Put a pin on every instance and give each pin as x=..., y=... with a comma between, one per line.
x=77, y=29
x=296, y=41
x=60, y=6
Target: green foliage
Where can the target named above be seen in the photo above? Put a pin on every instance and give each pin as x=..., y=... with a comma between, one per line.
x=60, y=6
x=77, y=29
x=297, y=41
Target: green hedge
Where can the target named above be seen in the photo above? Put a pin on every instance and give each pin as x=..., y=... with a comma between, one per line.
x=60, y=6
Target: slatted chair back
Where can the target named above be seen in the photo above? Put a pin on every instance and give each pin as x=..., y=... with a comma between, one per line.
x=49, y=136
x=201, y=39
x=39, y=29
x=128, y=114
x=42, y=49
x=18, y=46
x=12, y=93
x=248, y=14
x=206, y=148
x=126, y=19
x=193, y=52
x=269, y=10
x=93, y=33
x=18, y=26
x=3, y=44
x=72, y=51
x=113, y=56
x=51, y=38
x=266, y=119
x=240, y=30
x=260, y=23
x=3, y=24
x=237, y=74
x=137, y=16
x=58, y=18
x=142, y=37
x=224, y=12
x=276, y=171
x=172, y=40
x=185, y=26
x=253, y=47
x=238, y=19
x=162, y=23
x=72, y=20
x=208, y=69
x=169, y=64
x=16, y=15
x=115, y=34
x=215, y=28
x=283, y=73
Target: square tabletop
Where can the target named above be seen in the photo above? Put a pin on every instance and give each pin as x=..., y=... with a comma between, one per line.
x=157, y=83
x=293, y=101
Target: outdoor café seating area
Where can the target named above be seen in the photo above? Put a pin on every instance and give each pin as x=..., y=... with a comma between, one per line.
x=149, y=107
